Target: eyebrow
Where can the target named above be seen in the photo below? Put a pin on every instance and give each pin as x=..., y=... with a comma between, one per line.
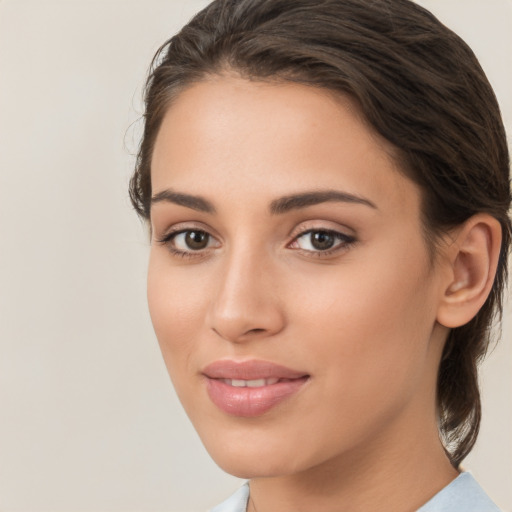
x=303, y=200
x=277, y=207
x=194, y=202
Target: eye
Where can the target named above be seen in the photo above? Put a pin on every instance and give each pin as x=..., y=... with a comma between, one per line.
x=192, y=240
x=186, y=242
x=322, y=240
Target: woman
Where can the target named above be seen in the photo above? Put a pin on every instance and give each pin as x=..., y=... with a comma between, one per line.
x=327, y=187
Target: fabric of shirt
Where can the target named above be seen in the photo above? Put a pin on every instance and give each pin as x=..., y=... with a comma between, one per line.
x=463, y=494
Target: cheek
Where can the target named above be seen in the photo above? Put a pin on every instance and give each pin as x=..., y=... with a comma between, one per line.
x=370, y=324
x=176, y=307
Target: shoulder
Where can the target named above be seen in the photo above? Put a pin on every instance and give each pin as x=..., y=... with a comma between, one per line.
x=237, y=502
x=464, y=494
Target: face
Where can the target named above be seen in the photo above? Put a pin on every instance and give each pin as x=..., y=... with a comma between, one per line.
x=289, y=285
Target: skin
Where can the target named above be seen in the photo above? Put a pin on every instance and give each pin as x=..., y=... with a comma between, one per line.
x=361, y=320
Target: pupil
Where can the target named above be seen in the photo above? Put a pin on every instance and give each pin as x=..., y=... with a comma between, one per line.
x=196, y=239
x=322, y=240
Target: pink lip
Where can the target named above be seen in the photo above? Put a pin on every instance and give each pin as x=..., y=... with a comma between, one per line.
x=250, y=401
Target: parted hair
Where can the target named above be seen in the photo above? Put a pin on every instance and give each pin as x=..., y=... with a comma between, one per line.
x=416, y=83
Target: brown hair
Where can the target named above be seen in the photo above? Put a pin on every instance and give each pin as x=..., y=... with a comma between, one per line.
x=420, y=87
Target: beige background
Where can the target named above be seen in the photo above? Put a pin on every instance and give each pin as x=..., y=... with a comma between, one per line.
x=89, y=421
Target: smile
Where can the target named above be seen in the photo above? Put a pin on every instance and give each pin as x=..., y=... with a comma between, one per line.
x=255, y=383
x=251, y=388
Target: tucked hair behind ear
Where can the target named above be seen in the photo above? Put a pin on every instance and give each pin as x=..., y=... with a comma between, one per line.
x=420, y=87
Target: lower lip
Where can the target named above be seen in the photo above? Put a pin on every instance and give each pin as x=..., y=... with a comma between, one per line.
x=249, y=402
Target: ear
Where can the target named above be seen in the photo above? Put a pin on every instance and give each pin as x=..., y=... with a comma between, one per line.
x=472, y=259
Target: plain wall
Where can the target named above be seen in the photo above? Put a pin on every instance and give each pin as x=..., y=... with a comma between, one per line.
x=89, y=421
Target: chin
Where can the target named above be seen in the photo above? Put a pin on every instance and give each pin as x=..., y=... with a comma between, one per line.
x=256, y=453
x=246, y=467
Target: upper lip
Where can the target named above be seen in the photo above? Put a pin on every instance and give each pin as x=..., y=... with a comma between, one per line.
x=250, y=370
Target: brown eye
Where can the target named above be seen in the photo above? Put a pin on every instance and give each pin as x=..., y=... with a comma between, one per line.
x=190, y=240
x=196, y=240
x=322, y=240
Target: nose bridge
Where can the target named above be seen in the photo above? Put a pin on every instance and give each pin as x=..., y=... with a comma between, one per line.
x=246, y=303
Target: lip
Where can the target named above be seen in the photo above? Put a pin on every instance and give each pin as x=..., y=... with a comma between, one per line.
x=251, y=401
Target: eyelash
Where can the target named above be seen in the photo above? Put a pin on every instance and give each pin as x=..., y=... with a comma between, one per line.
x=345, y=242
x=167, y=240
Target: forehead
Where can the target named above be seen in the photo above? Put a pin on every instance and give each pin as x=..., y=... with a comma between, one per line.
x=236, y=137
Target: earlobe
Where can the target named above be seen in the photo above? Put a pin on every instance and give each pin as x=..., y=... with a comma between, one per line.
x=472, y=258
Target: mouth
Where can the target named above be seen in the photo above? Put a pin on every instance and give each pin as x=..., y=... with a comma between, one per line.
x=254, y=383
x=251, y=388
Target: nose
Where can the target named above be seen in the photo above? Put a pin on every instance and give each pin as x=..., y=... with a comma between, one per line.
x=247, y=305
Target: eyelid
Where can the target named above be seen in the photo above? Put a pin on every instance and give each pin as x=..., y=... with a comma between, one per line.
x=345, y=235
x=167, y=238
x=346, y=239
x=343, y=238
x=181, y=227
x=321, y=225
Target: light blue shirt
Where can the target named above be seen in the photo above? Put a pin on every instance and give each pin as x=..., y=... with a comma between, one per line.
x=463, y=494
